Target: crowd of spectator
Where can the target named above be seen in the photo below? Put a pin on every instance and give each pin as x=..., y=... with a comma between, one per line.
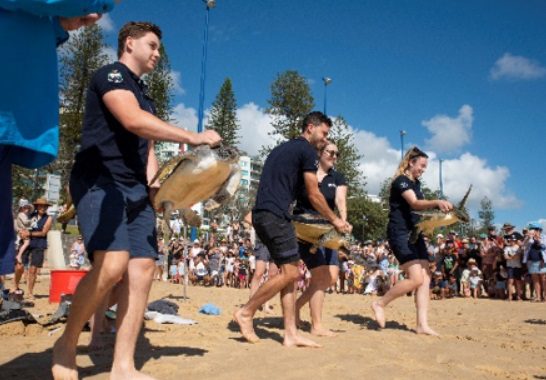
x=507, y=265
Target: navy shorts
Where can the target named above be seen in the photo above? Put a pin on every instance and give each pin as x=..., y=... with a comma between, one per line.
x=514, y=273
x=7, y=233
x=115, y=217
x=323, y=256
x=261, y=252
x=33, y=257
x=278, y=235
x=404, y=251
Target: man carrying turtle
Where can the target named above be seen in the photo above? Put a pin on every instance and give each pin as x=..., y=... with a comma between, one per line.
x=289, y=168
x=109, y=186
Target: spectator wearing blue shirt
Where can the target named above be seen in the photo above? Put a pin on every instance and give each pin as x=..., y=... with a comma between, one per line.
x=110, y=188
x=287, y=170
x=29, y=103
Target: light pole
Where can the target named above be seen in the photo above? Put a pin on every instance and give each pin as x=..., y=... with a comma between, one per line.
x=402, y=134
x=209, y=5
x=327, y=81
x=364, y=220
x=441, y=181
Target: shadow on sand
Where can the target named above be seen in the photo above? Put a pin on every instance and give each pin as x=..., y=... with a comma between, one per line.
x=369, y=323
x=38, y=365
x=261, y=326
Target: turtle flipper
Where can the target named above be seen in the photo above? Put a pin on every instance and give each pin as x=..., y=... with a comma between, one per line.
x=228, y=190
x=167, y=212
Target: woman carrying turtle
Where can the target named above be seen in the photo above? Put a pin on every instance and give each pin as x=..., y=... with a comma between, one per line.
x=324, y=264
x=406, y=196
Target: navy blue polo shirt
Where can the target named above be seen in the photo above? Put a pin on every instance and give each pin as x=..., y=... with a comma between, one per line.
x=282, y=176
x=107, y=148
x=401, y=219
x=327, y=187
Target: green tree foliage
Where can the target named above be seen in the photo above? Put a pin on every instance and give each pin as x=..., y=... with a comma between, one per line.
x=290, y=101
x=160, y=84
x=369, y=219
x=486, y=214
x=348, y=160
x=80, y=57
x=25, y=183
x=223, y=115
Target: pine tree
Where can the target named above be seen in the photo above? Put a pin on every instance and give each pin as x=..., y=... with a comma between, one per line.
x=349, y=157
x=223, y=115
x=290, y=102
x=160, y=86
x=369, y=219
x=486, y=214
x=80, y=57
x=160, y=83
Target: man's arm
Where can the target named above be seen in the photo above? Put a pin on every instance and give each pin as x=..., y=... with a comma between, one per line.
x=153, y=164
x=125, y=108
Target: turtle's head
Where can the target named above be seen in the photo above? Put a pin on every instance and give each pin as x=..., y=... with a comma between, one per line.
x=460, y=210
x=227, y=153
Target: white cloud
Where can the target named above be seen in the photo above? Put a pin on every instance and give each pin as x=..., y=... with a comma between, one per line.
x=466, y=170
x=106, y=23
x=516, y=67
x=185, y=117
x=380, y=161
x=177, y=82
x=255, y=126
x=450, y=134
x=111, y=53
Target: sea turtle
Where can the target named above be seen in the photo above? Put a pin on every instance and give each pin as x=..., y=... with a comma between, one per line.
x=201, y=174
x=436, y=218
x=319, y=232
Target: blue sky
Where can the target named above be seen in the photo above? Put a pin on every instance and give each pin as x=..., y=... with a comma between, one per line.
x=465, y=79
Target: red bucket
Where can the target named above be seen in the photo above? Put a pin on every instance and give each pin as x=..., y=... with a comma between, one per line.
x=64, y=282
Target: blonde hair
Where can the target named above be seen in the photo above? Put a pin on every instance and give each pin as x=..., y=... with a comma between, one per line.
x=410, y=157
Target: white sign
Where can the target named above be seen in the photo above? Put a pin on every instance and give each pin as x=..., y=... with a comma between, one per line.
x=53, y=187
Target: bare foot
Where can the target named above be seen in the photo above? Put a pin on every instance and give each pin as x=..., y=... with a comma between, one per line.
x=323, y=332
x=426, y=331
x=64, y=362
x=379, y=314
x=299, y=341
x=246, y=326
x=124, y=374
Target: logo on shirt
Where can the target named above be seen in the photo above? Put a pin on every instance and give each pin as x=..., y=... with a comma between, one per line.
x=316, y=164
x=332, y=185
x=115, y=76
x=404, y=185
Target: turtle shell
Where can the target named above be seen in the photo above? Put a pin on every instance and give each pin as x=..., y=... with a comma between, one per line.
x=193, y=177
x=318, y=231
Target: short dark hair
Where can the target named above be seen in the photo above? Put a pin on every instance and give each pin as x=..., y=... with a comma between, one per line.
x=316, y=118
x=135, y=29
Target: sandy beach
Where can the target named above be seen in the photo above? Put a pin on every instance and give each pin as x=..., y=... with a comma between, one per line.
x=481, y=339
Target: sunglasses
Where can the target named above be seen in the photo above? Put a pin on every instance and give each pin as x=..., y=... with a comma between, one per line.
x=416, y=152
x=332, y=153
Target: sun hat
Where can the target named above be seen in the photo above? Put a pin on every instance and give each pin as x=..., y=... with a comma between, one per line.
x=507, y=226
x=41, y=202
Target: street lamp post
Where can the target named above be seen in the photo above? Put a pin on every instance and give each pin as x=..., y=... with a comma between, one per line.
x=402, y=134
x=327, y=81
x=209, y=5
x=441, y=181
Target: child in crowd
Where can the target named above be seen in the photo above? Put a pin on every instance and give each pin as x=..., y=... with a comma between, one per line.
x=452, y=289
x=23, y=222
x=475, y=281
